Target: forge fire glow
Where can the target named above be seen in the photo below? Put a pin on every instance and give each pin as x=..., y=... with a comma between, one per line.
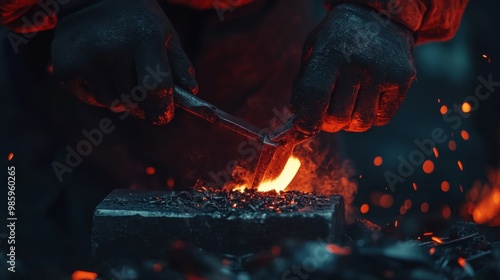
x=279, y=184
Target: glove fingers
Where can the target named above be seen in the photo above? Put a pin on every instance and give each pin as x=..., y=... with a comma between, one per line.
x=82, y=90
x=156, y=84
x=125, y=80
x=104, y=91
x=341, y=103
x=365, y=108
x=391, y=98
x=182, y=70
x=312, y=88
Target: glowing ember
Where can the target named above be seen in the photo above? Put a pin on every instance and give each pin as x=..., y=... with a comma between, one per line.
x=446, y=212
x=408, y=204
x=483, y=201
x=338, y=250
x=428, y=166
x=170, y=183
x=466, y=108
x=464, y=134
x=424, y=207
x=428, y=233
x=83, y=275
x=435, y=151
x=445, y=186
x=10, y=156
x=460, y=165
x=279, y=184
x=462, y=262
x=443, y=110
x=437, y=240
x=386, y=201
x=150, y=170
x=487, y=58
x=452, y=145
x=415, y=186
x=364, y=208
x=432, y=251
x=377, y=161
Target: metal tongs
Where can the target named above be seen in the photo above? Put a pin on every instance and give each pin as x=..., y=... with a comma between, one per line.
x=277, y=147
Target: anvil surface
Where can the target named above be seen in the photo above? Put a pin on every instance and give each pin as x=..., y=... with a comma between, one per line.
x=131, y=224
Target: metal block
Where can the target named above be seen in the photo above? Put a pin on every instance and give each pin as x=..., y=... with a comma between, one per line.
x=131, y=224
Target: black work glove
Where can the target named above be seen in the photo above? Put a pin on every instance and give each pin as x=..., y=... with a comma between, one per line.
x=123, y=55
x=356, y=70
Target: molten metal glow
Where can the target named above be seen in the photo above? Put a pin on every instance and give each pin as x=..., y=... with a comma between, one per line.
x=279, y=184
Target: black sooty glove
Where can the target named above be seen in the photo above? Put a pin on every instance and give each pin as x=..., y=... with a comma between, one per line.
x=357, y=67
x=123, y=55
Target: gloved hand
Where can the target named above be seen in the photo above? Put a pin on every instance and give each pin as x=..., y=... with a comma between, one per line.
x=123, y=55
x=355, y=72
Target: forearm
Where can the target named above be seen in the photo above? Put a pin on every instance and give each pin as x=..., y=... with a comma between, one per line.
x=430, y=20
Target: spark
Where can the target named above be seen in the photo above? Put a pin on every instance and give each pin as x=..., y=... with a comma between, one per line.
x=443, y=110
x=424, y=207
x=445, y=186
x=437, y=240
x=466, y=108
x=428, y=166
x=462, y=262
x=436, y=152
x=365, y=208
x=464, y=134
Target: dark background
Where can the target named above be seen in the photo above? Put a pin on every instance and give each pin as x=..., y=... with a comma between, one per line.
x=55, y=218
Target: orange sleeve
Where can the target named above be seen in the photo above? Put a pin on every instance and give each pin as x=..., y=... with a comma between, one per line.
x=431, y=20
x=25, y=16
